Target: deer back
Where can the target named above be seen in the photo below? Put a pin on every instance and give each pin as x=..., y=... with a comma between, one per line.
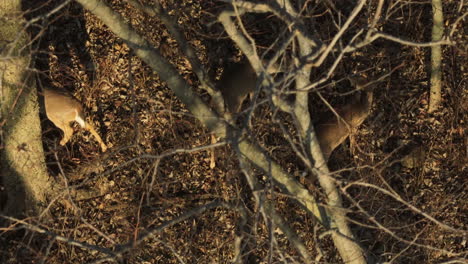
x=62, y=107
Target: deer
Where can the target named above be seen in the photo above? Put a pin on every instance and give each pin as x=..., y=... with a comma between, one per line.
x=237, y=82
x=240, y=81
x=332, y=129
x=62, y=108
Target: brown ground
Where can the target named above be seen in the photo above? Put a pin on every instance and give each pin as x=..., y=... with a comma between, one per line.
x=137, y=114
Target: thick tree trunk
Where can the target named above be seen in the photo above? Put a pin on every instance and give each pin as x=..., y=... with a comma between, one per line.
x=22, y=166
x=436, y=56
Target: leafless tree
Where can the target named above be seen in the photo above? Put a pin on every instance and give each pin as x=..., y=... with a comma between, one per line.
x=344, y=205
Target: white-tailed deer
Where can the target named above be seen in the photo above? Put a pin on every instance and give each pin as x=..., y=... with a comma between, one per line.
x=62, y=109
x=237, y=82
x=332, y=130
x=240, y=80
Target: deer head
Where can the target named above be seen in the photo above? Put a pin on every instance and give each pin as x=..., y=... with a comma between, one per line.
x=61, y=108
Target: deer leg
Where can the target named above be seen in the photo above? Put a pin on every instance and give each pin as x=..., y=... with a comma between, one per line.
x=67, y=132
x=90, y=128
x=212, y=153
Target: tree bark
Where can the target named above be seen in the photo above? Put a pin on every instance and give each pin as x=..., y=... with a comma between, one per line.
x=436, y=56
x=22, y=165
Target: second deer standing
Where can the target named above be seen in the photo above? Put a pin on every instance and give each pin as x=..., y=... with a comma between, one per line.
x=240, y=80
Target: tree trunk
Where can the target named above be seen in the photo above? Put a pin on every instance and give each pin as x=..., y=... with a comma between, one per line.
x=436, y=56
x=22, y=166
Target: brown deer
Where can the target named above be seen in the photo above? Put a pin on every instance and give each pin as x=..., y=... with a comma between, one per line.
x=332, y=130
x=240, y=80
x=62, y=109
x=236, y=84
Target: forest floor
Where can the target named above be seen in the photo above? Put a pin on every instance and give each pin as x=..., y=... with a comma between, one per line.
x=417, y=157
